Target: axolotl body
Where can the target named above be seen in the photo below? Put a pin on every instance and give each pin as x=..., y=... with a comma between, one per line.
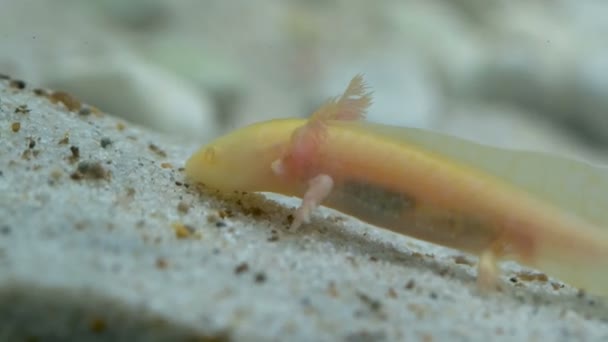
x=543, y=211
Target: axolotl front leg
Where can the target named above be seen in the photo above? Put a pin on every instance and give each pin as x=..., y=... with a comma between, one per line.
x=319, y=188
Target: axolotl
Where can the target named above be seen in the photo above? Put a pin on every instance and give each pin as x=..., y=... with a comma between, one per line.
x=543, y=211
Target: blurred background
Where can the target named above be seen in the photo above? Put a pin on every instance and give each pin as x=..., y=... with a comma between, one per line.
x=522, y=74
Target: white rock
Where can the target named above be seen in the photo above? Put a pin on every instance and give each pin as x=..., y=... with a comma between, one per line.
x=125, y=85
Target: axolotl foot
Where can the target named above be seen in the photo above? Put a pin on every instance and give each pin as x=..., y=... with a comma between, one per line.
x=319, y=187
x=487, y=271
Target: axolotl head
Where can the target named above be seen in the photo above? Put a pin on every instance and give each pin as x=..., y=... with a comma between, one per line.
x=242, y=159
